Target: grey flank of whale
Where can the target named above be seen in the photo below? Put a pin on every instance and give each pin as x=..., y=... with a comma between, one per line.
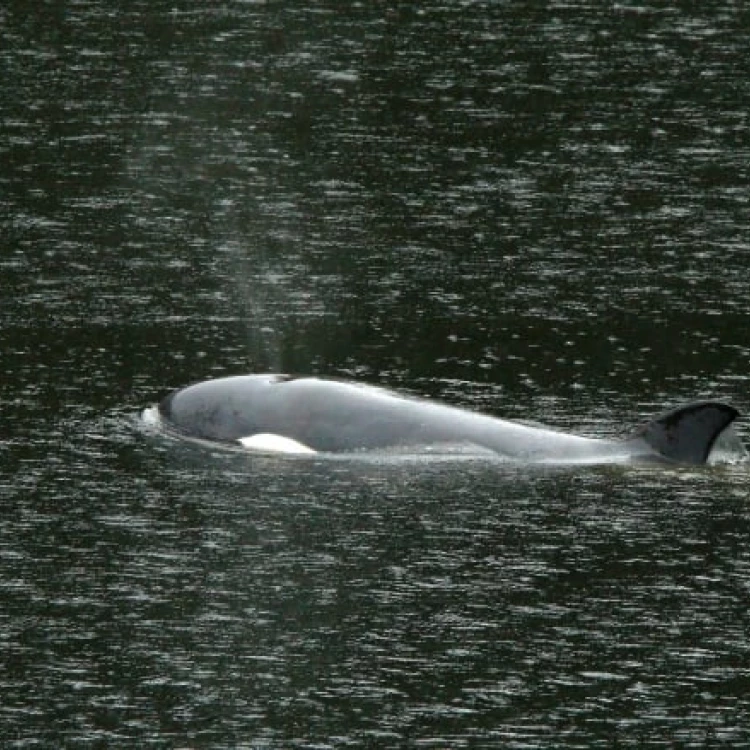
x=320, y=415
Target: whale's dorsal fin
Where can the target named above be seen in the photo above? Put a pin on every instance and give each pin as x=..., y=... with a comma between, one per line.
x=686, y=434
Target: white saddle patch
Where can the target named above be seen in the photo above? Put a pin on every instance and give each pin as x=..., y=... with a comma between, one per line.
x=271, y=443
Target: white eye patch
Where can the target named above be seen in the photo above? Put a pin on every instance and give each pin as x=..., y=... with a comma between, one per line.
x=268, y=442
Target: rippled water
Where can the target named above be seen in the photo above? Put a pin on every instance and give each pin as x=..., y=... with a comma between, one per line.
x=539, y=212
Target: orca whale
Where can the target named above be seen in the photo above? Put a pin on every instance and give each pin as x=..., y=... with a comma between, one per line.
x=284, y=413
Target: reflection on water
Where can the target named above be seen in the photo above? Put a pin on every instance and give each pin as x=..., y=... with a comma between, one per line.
x=220, y=597
x=538, y=212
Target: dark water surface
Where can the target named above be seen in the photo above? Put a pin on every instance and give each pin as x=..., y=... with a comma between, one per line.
x=537, y=210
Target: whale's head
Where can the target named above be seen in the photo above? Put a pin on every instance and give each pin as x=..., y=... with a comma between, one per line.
x=223, y=410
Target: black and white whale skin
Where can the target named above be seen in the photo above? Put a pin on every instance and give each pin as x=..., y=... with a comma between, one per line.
x=319, y=415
